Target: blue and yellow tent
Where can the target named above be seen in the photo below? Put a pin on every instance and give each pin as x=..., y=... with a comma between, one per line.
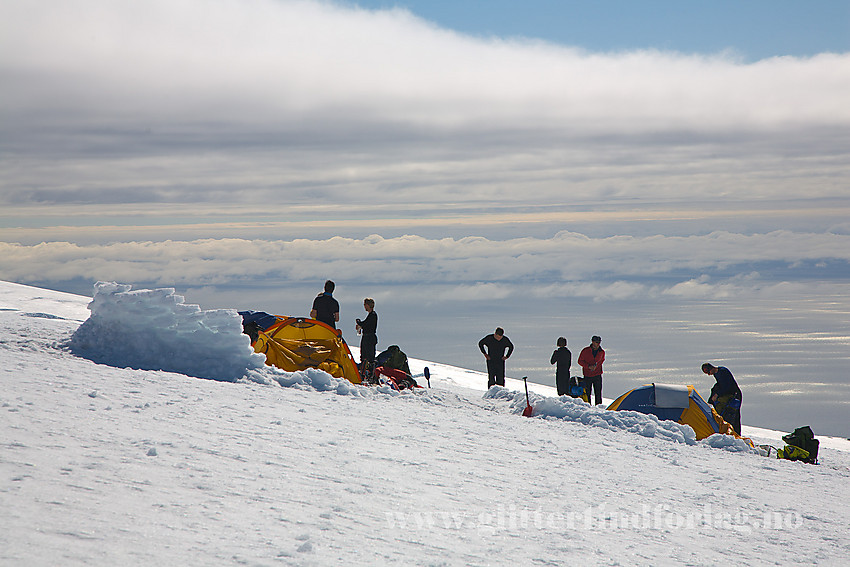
x=298, y=343
x=681, y=404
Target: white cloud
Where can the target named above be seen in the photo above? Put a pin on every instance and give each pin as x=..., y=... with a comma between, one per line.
x=598, y=290
x=567, y=264
x=476, y=292
x=304, y=57
x=298, y=101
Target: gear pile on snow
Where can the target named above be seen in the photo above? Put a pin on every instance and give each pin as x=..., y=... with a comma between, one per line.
x=391, y=368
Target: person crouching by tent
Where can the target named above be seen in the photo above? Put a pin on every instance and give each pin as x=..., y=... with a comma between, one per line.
x=590, y=359
x=564, y=359
x=725, y=395
x=497, y=343
x=368, y=329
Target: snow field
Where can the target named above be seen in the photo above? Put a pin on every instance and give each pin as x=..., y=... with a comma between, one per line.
x=105, y=465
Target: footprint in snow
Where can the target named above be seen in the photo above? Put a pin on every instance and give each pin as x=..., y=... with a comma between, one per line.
x=305, y=547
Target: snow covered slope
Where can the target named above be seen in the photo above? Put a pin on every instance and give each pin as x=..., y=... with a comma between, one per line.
x=106, y=465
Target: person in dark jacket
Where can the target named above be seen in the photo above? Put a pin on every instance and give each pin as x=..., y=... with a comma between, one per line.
x=325, y=307
x=496, y=344
x=725, y=395
x=564, y=359
x=368, y=329
x=590, y=359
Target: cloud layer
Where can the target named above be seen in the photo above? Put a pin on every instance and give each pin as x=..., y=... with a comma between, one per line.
x=293, y=101
x=568, y=264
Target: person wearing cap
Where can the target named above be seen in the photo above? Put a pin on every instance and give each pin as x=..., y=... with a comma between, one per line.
x=590, y=360
x=725, y=395
x=563, y=358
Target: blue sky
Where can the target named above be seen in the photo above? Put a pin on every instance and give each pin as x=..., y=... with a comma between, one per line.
x=650, y=166
x=752, y=29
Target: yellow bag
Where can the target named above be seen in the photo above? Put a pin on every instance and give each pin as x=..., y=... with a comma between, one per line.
x=792, y=453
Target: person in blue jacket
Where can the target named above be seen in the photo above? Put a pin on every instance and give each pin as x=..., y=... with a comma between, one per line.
x=725, y=395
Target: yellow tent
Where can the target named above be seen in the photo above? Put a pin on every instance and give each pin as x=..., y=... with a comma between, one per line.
x=297, y=343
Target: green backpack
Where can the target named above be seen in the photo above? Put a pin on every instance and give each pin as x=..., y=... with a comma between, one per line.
x=801, y=446
x=393, y=357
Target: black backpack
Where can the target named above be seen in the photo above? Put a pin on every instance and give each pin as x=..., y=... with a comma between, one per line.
x=804, y=438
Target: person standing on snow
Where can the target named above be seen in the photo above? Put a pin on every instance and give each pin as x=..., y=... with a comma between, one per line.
x=325, y=307
x=369, y=339
x=496, y=344
x=725, y=395
x=590, y=360
x=564, y=358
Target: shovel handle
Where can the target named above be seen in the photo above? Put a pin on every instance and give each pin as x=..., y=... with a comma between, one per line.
x=528, y=411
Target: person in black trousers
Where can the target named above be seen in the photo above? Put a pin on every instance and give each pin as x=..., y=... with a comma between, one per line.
x=564, y=359
x=590, y=359
x=368, y=329
x=496, y=344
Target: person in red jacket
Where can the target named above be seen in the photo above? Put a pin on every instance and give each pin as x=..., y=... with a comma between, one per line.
x=590, y=360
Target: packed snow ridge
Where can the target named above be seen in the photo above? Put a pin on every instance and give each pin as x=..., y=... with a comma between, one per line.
x=155, y=330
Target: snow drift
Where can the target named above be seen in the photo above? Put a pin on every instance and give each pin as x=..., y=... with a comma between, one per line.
x=153, y=329
x=573, y=410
